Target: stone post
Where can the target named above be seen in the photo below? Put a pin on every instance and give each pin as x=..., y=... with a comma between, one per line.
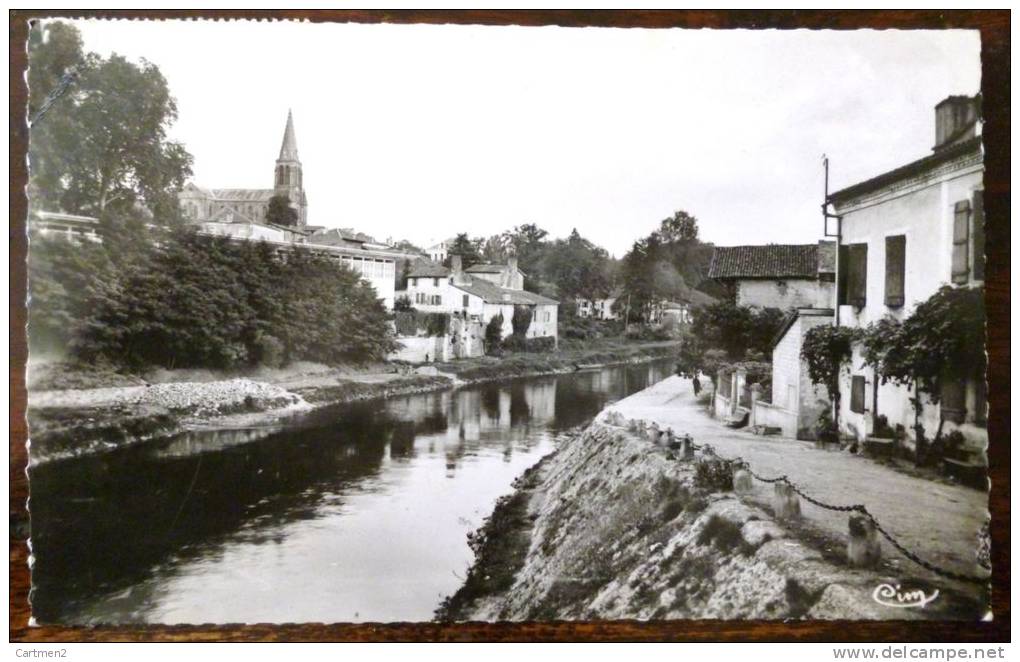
x=863, y=549
x=742, y=481
x=785, y=502
x=687, y=447
x=736, y=386
x=756, y=390
x=653, y=433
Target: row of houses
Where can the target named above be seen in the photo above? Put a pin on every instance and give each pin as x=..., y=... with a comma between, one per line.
x=901, y=236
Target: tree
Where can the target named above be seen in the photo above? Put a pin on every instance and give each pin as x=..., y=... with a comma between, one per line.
x=576, y=268
x=103, y=146
x=826, y=350
x=196, y=301
x=521, y=320
x=466, y=248
x=942, y=339
x=280, y=212
x=493, y=334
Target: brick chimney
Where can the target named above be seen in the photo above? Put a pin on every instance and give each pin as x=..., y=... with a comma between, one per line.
x=956, y=119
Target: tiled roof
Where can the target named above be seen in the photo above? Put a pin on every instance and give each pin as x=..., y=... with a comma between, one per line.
x=911, y=169
x=427, y=269
x=769, y=261
x=494, y=294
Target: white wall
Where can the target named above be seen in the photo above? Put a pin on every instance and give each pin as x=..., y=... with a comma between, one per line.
x=925, y=217
x=784, y=294
x=922, y=211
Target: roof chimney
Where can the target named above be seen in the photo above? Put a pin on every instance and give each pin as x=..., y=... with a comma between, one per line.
x=956, y=120
x=457, y=270
x=510, y=272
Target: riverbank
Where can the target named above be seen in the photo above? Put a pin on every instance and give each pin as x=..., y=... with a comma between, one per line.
x=107, y=410
x=611, y=526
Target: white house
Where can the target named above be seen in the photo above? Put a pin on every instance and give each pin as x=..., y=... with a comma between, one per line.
x=480, y=295
x=781, y=276
x=906, y=233
x=439, y=251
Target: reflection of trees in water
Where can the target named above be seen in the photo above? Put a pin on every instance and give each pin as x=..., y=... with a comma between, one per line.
x=103, y=523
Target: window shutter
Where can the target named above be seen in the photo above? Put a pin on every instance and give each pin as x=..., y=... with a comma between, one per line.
x=844, y=269
x=895, y=256
x=961, y=234
x=857, y=394
x=979, y=235
x=953, y=400
x=857, y=275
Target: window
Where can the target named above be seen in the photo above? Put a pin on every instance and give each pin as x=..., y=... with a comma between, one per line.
x=961, y=241
x=465, y=301
x=857, y=394
x=856, y=275
x=414, y=282
x=895, y=268
x=435, y=282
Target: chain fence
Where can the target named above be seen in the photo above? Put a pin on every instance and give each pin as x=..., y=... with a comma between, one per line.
x=706, y=449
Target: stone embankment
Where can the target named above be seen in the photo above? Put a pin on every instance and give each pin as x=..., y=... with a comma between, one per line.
x=72, y=422
x=612, y=526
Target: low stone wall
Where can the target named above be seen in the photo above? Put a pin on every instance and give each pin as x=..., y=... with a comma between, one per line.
x=768, y=414
x=421, y=349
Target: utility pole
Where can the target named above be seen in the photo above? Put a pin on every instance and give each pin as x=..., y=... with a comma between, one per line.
x=826, y=215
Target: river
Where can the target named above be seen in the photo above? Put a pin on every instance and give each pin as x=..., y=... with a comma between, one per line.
x=352, y=513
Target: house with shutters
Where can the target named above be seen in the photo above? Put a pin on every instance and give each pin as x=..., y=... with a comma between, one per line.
x=479, y=293
x=904, y=234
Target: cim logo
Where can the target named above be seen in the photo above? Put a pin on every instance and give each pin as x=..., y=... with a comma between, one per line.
x=894, y=596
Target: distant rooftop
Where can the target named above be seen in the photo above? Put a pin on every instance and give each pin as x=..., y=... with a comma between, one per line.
x=768, y=261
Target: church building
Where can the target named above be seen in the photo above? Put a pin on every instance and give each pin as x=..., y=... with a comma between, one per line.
x=247, y=205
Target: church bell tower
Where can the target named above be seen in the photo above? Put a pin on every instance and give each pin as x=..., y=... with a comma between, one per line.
x=288, y=173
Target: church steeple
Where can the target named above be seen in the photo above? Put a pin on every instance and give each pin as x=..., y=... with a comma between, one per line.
x=288, y=179
x=288, y=150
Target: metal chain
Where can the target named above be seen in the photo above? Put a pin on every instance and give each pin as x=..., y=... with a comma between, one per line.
x=857, y=508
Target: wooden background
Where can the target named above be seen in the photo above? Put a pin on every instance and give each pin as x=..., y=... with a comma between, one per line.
x=994, y=27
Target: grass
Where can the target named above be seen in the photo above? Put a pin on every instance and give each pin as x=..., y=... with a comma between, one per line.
x=725, y=535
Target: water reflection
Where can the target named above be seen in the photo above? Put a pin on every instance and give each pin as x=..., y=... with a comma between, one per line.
x=350, y=513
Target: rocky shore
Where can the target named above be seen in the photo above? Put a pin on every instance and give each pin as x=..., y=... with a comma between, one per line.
x=68, y=423
x=613, y=527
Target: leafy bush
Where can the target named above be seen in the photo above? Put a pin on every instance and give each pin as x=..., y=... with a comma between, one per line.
x=269, y=351
x=647, y=332
x=193, y=301
x=493, y=334
x=944, y=338
x=521, y=320
x=714, y=473
x=415, y=322
x=402, y=303
x=826, y=349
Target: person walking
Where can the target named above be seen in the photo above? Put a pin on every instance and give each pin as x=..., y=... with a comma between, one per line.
x=697, y=385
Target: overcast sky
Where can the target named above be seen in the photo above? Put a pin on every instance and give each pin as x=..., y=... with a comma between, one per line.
x=420, y=132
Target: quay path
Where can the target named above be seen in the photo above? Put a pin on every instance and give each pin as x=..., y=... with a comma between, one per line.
x=939, y=521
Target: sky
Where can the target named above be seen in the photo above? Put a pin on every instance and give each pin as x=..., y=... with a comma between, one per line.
x=419, y=132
